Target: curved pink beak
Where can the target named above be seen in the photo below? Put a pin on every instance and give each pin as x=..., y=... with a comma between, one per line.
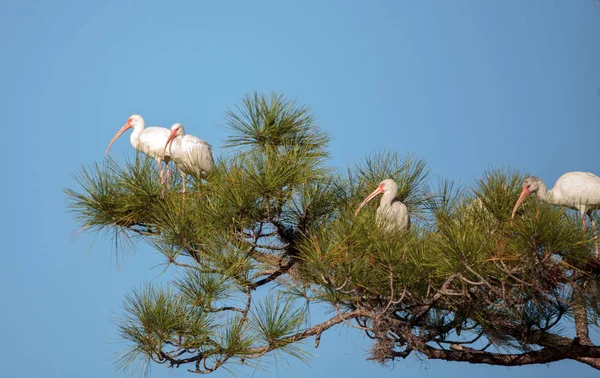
x=169, y=139
x=377, y=191
x=522, y=197
x=125, y=127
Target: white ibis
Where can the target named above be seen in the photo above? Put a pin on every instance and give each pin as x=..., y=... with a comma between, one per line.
x=575, y=190
x=149, y=140
x=392, y=214
x=191, y=155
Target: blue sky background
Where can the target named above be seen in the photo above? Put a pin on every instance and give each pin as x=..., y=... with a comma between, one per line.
x=468, y=85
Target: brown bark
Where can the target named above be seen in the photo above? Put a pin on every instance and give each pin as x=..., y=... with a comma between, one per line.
x=580, y=314
x=589, y=355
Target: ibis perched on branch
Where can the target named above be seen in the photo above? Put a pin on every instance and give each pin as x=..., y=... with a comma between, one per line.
x=191, y=155
x=392, y=215
x=148, y=140
x=575, y=190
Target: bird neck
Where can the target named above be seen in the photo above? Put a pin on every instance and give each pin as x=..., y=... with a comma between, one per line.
x=134, y=138
x=387, y=199
x=545, y=195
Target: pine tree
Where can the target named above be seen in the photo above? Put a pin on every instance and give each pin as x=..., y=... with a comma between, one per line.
x=271, y=231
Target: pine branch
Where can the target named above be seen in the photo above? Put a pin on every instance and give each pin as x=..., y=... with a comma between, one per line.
x=464, y=280
x=542, y=356
x=312, y=331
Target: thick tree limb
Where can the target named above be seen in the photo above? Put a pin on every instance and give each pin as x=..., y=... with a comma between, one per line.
x=593, y=362
x=542, y=356
x=580, y=314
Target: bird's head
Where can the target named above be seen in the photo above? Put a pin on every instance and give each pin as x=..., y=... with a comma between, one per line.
x=176, y=130
x=386, y=186
x=530, y=185
x=134, y=121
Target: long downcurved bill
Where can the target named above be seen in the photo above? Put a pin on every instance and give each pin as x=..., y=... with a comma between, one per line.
x=169, y=139
x=125, y=127
x=368, y=198
x=522, y=197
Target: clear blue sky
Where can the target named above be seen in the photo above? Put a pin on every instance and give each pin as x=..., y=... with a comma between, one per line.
x=468, y=85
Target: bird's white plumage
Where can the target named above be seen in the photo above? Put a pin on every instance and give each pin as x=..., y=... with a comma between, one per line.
x=151, y=141
x=148, y=140
x=575, y=189
x=392, y=215
x=192, y=155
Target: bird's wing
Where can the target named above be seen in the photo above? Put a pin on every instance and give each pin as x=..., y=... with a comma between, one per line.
x=153, y=140
x=591, y=176
x=578, y=187
x=401, y=214
x=395, y=217
x=198, y=153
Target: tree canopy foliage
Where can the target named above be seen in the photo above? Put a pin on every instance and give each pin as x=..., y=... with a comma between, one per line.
x=465, y=283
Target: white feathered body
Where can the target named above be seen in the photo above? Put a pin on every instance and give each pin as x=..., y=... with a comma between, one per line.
x=392, y=215
x=151, y=141
x=575, y=189
x=192, y=155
